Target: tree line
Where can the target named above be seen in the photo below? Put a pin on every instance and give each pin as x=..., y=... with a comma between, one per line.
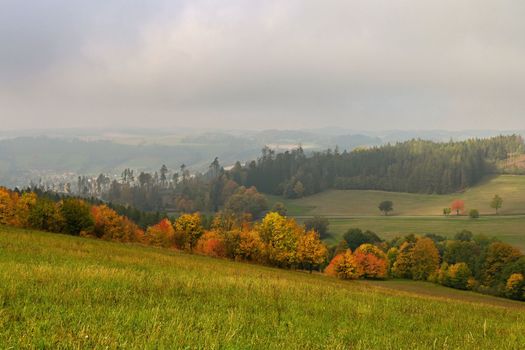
x=415, y=166
x=465, y=262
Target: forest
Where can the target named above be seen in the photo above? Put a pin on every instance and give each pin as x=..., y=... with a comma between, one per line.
x=414, y=166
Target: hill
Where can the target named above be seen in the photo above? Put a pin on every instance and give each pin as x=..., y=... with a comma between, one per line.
x=69, y=292
x=364, y=203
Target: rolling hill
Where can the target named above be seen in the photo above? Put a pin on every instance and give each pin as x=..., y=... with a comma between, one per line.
x=60, y=291
x=365, y=203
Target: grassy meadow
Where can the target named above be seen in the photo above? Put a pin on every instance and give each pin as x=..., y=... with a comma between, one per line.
x=420, y=213
x=509, y=229
x=364, y=203
x=60, y=291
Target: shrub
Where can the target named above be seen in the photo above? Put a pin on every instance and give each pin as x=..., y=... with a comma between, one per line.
x=473, y=213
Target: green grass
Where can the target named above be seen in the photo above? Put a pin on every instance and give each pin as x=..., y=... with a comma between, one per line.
x=59, y=291
x=363, y=203
x=510, y=229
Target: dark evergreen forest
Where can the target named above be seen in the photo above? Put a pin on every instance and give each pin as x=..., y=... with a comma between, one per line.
x=415, y=166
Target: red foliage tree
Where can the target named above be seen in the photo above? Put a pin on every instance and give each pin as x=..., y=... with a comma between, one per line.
x=458, y=206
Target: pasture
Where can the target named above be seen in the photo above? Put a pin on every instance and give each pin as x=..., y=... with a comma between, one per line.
x=364, y=203
x=60, y=291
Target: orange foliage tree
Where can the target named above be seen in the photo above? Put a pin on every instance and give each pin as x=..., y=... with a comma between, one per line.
x=111, y=226
x=458, y=206
x=344, y=266
x=211, y=243
x=161, y=234
x=372, y=260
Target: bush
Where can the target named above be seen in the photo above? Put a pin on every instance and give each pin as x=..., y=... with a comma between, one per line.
x=474, y=214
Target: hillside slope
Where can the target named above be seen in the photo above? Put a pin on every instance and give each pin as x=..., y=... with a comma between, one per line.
x=63, y=291
x=363, y=203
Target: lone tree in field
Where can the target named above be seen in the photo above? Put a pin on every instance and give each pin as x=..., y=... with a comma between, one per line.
x=386, y=207
x=497, y=203
x=446, y=211
x=458, y=206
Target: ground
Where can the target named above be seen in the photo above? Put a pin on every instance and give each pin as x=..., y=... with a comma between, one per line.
x=59, y=291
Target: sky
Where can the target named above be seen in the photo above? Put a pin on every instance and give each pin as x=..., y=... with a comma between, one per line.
x=294, y=64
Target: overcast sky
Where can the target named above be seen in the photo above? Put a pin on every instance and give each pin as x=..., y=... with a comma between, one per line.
x=370, y=64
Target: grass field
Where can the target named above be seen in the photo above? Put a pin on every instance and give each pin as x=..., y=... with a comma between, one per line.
x=363, y=203
x=510, y=229
x=60, y=291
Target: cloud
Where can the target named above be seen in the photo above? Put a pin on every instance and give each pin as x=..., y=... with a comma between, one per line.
x=361, y=64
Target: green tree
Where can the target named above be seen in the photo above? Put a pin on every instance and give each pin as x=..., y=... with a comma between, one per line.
x=318, y=224
x=77, y=216
x=496, y=203
x=386, y=207
x=474, y=213
x=279, y=207
x=355, y=237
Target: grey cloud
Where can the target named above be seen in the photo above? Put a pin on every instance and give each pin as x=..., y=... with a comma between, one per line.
x=362, y=64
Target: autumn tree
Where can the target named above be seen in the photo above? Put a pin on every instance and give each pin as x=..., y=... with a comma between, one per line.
x=211, y=243
x=372, y=260
x=425, y=259
x=496, y=203
x=281, y=237
x=386, y=207
x=310, y=250
x=402, y=267
x=109, y=225
x=498, y=255
x=8, y=201
x=23, y=208
x=161, y=234
x=458, y=206
x=515, y=287
x=247, y=200
x=344, y=266
x=188, y=229
x=458, y=275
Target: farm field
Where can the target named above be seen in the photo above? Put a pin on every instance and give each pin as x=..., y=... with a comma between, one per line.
x=60, y=291
x=364, y=203
x=510, y=229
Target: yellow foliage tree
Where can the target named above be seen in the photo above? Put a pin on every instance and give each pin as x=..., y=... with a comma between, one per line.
x=424, y=259
x=8, y=200
x=188, y=229
x=310, y=250
x=280, y=236
x=23, y=208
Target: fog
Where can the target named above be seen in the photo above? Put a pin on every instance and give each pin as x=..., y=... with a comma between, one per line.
x=372, y=65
